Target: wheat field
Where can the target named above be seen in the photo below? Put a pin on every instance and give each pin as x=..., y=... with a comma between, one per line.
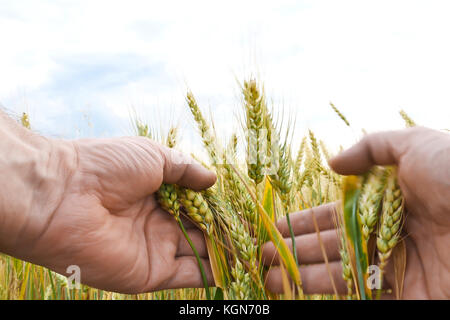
x=277, y=175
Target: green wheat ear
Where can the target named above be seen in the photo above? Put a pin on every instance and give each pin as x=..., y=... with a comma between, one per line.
x=25, y=121
x=340, y=114
x=254, y=111
x=408, y=121
x=208, y=138
x=391, y=219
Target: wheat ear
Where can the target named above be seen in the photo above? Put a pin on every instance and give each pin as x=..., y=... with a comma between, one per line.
x=196, y=208
x=242, y=241
x=299, y=159
x=247, y=252
x=25, y=121
x=171, y=139
x=143, y=129
x=205, y=131
x=340, y=114
x=168, y=199
x=240, y=199
x=325, y=150
x=391, y=220
x=408, y=121
x=241, y=286
x=370, y=201
x=346, y=267
x=254, y=111
x=315, y=148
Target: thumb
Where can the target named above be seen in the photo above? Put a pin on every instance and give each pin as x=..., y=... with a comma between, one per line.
x=383, y=148
x=185, y=171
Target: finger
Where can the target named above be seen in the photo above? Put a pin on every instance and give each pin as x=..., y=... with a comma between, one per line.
x=302, y=222
x=187, y=274
x=383, y=148
x=410, y=277
x=198, y=240
x=308, y=248
x=315, y=278
x=185, y=171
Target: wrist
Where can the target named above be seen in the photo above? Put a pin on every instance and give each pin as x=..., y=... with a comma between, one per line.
x=34, y=171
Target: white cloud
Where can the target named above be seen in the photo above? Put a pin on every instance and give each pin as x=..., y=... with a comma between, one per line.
x=369, y=58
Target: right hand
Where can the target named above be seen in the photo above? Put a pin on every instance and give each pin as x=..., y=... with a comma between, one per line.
x=423, y=159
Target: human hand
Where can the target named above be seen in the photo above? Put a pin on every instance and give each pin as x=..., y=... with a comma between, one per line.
x=92, y=204
x=423, y=159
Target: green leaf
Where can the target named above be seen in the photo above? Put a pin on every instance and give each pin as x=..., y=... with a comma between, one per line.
x=268, y=200
x=219, y=294
x=281, y=246
x=269, y=207
x=356, y=245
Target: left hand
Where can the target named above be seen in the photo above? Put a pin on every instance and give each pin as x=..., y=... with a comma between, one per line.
x=93, y=205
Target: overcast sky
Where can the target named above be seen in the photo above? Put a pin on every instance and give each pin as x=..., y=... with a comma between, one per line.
x=79, y=67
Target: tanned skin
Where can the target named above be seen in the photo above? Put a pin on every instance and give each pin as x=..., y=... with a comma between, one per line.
x=423, y=159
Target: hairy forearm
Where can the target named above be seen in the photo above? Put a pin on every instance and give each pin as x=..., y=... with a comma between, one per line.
x=33, y=172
